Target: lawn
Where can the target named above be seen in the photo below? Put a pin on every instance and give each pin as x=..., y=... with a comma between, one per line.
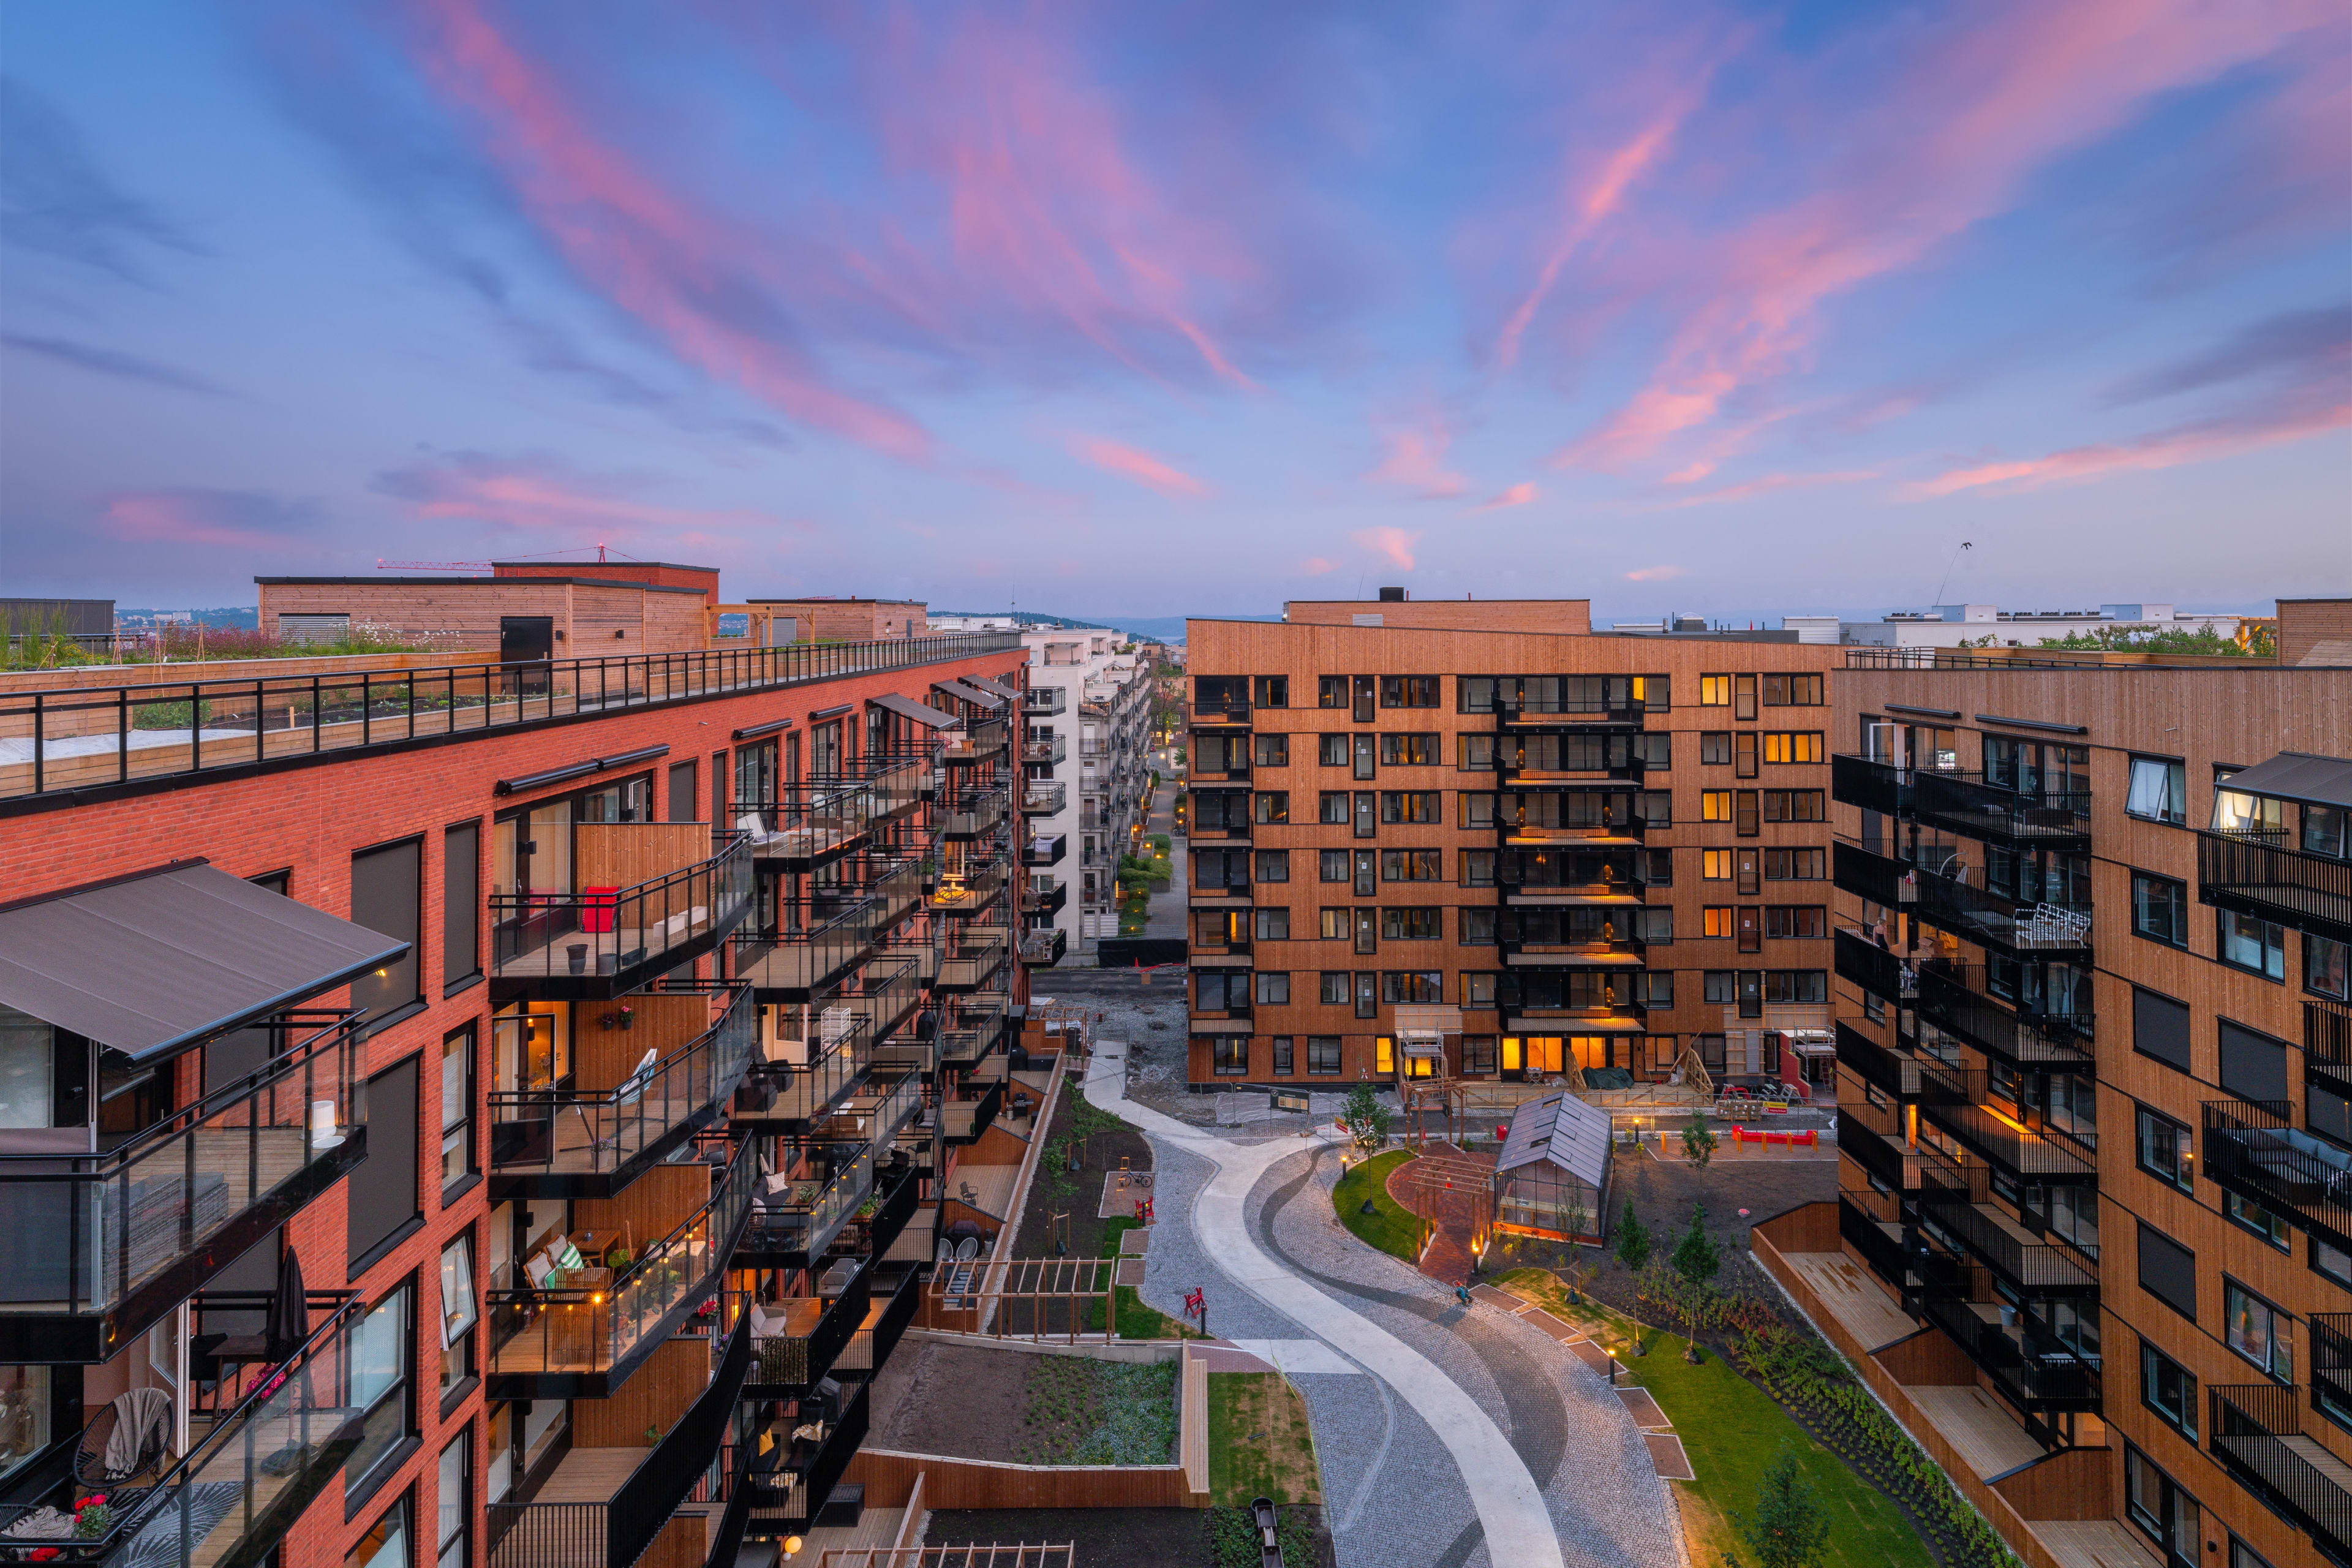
x=1259, y=1442
x=1732, y=1430
x=1135, y=1320
x=1389, y=1226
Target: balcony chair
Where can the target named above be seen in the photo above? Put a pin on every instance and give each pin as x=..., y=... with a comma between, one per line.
x=631, y=1091
x=126, y=1443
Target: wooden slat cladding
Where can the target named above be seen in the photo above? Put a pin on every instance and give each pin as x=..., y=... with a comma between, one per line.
x=651, y=1207
x=603, y=1056
x=624, y=853
x=672, y=1378
x=889, y=1478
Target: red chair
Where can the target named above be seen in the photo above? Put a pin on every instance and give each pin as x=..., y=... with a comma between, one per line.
x=596, y=913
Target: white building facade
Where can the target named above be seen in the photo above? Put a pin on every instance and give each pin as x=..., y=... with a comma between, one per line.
x=1959, y=626
x=1085, y=733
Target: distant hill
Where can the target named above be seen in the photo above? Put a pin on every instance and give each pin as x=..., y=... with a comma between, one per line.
x=243, y=615
x=1156, y=629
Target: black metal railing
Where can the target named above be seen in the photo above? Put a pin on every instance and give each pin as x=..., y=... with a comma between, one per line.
x=2029, y=1364
x=869, y=1349
x=2257, y=1434
x=78, y=737
x=788, y=962
x=2328, y=1046
x=615, y=937
x=1045, y=849
x=963, y=1120
x=1893, y=1072
x=1881, y=1245
x=1876, y=970
x=794, y=1341
x=1869, y=784
x=2331, y=1363
x=1044, y=949
x=2254, y=1149
x=1956, y=1099
x=797, y=1475
x=90, y=1233
x=549, y=1132
x=2264, y=874
x=1998, y=1241
x=1969, y=803
x=1880, y=1153
x=1952, y=996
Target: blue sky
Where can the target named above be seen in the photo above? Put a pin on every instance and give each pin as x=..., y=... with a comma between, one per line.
x=1731, y=309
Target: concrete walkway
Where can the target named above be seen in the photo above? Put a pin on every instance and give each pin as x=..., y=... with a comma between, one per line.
x=1273, y=1269
x=1165, y=916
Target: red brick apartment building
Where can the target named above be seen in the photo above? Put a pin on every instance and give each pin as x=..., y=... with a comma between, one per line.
x=593, y=1033
x=1588, y=852
x=2094, y=1241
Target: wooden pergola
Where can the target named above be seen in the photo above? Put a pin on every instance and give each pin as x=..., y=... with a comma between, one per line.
x=1031, y=1298
x=995, y=1554
x=1467, y=1185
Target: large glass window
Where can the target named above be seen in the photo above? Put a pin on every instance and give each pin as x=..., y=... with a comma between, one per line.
x=461, y=904
x=385, y=1545
x=2159, y=790
x=2257, y=1330
x=24, y=1415
x=377, y=1358
x=2237, y=812
x=2168, y=1388
x=2248, y=944
x=458, y=1314
x=1323, y=1055
x=2167, y=1514
x=2163, y=1149
x=2326, y=967
x=457, y=1108
x=2160, y=909
x=1232, y=1055
x=454, y=1484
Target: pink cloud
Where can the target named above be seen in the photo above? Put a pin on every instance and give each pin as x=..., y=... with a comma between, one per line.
x=1949, y=145
x=541, y=496
x=1520, y=494
x=1657, y=574
x=1134, y=463
x=1315, y=565
x=1415, y=459
x=2195, y=443
x=1392, y=544
x=1767, y=485
x=223, y=519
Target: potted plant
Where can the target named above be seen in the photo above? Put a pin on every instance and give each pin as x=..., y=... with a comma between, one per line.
x=627, y=1014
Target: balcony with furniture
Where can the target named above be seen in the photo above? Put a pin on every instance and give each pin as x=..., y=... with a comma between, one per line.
x=645, y=899
x=974, y=1024
x=972, y=812
x=1954, y=996
x=2254, y=1150
x=977, y=743
x=2029, y=1366
x=975, y=955
x=1045, y=894
x=1045, y=849
x=795, y=1216
x=1044, y=949
x=968, y=889
x=1045, y=798
x=1959, y=1100
x=972, y=1110
x=1974, y=914
x=800, y=961
x=1044, y=750
x=790, y=1482
x=807, y=825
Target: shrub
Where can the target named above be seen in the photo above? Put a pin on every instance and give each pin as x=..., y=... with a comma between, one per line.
x=1632, y=1239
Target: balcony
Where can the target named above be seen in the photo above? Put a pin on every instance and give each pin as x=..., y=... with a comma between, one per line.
x=800, y=965
x=982, y=743
x=249, y=1476
x=804, y=1080
x=2018, y=819
x=1872, y=967
x=2262, y=874
x=1879, y=1242
x=875, y=1115
x=1045, y=701
x=1952, y=996
x=580, y=1337
x=592, y=1142
x=968, y=891
x=580, y=1519
x=2328, y=1046
x=869, y=1348
x=1875, y=1142
x=794, y=1219
x=964, y=1119
x=973, y=957
x=1221, y=715
x=94, y=1249
x=974, y=1029
x=808, y=825
x=1987, y=919
x=2257, y=1434
x=1892, y=1072
x=2255, y=1152
x=1967, y=1220
x=1045, y=895
x=791, y=1481
x=900, y=782
x=970, y=813
x=794, y=1341
x=1045, y=799
x=1045, y=750
x=1045, y=849
x=1958, y=1100
x=1551, y=712
x=1044, y=949
x=1869, y=784
x=649, y=897
x=2029, y=1366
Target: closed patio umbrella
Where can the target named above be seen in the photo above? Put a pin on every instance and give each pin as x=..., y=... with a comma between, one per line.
x=290, y=1318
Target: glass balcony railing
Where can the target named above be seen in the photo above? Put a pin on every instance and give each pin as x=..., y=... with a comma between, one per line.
x=970, y=813
x=797, y=1219
x=981, y=742
x=605, y=939
x=589, y=1330
x=1045, y=749
x=808, y=825
x=583, y=1138
x=113, y=1241
x=973, y=1026
x=973, y=957
x=966, y=890
x=794, y=965
x=1045, y=701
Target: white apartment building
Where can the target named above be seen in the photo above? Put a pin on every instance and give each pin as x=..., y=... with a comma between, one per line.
x=1083, y=757
x=1955, y=626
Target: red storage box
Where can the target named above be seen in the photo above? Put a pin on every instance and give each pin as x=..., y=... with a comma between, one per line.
x=597, y=913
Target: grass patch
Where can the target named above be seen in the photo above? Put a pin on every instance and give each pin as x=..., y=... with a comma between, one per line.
x=1259, y=1442
x=1086, y=1412
x=1135, y=1320
x=1731, y=1429
x=1389, y=1227
x=1233, y=1539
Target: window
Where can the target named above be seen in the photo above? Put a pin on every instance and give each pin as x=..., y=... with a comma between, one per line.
x=2254, y=1066
x=1659, y=868
x=1272, y=989
x=1477, y=1054
x=1408, y=691
x=1332, y=751
x=2169, y=1515
x=1274, y=805
x=1331, y=864
x=1653, y=926
x=24, y=1395
x=2160, y=909
x=461, y=903
x=1227, y=869
x=1719, y=988
x=1412, y=865
x=1365, y=827
x=1331, y=809
x=2164, y=1147
x=1714, y=865
x=1744, y=755
x=1411, y=807
x=1715, y=749
x=1743, y=697
x=1409, y=751
x=1477, y=927
x=1366, y=751
x=1796, y=921
x=1478, y=754
x=2160, y=1028
x=2272, y=1228
x=2326, y=966
x=1273, y=925
x=1221, y=990
x=1801, y=746
x=1274, y=865
x=1231, y=1054
x=1367, y=927
x=1793, y=804
x=1477, y=989
x=1654, y=749
x=1797, y=985
x=2257, y=1330
x=1717, y=921
x=382, y=1189
x=385, y=1545
x=1333, y=992
x=1655, y=988
x=2159, y=790
x=2246, y=942
x=1413, y=924
x=2167, y=1270
x=1655, y=693
x=1715, y=691
x=1284, y=1061
x=385, y=886
x=1793, y=692
x=377, y=1367
x=1330, y=691
x=2170, y=1389
x=2245, y=1556
x=2234, y=811
x=456, y=1109
x=1270, y=690
x=1412, y=986
x=1715, y=806
x=2323, y=831
x=1367, y=994
x=1323, y=1055
x=1477, y=868
x=1796, y=865
x=1273, y=751
x=457, y=1314
x=1656, y=807
x=1476, y=809
x=455, y=1489
x=1337, y=925
x=682, y=804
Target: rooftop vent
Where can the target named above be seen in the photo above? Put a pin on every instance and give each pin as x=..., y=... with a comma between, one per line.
x=1393, y=595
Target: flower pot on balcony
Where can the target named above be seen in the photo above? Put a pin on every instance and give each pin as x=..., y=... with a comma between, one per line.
x=578, y=954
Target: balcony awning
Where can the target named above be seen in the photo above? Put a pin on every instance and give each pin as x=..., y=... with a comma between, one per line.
x=2298, y=776
x=922, y=713
x=1010, y=693
x=988, y=700
x=154, y=963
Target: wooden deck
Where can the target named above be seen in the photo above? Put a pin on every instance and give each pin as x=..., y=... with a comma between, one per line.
x=590, y=1474
x=633, y=944
x=2095, y=1544
x=1978, y=1428
x=992, y=1187
x=1854, y=1297
x=876, y=1528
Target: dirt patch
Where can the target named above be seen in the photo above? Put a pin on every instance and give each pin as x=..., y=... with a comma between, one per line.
x=962, y=1401
x=1104, y=1537
x=1102, y=1142
x=1260, y=1444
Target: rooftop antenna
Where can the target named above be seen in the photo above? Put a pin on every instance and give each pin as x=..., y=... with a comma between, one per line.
x=1955, y=560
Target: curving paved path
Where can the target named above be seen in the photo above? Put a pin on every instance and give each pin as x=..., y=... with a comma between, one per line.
x=1418, y=1469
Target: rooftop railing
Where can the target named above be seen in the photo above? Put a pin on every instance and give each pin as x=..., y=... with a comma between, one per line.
x=82, y=737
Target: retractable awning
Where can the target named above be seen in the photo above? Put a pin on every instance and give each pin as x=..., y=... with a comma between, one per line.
x=920, y=712
x=987, y=700
x=154, y=963
x=2298, y=776
x=1010, y=693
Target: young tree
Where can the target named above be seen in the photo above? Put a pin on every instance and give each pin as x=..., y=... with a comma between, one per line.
x=1698, y=1142
x=1696, y=1261
x=1790, y=1529
x=1365, y=1118
x=1632, y=1239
